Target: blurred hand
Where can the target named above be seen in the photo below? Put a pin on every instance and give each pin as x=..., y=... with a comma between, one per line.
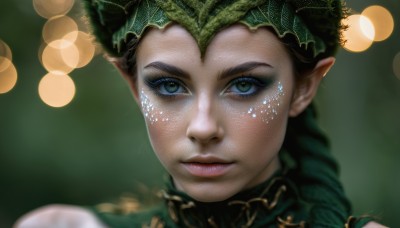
x=59, y=216
x=374, y=225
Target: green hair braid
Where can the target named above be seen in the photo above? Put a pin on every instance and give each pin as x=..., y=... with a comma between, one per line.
x=316, y=171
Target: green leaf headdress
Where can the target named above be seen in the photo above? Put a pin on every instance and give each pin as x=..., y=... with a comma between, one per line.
x=315, y=24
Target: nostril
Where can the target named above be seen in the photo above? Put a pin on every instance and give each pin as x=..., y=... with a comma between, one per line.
x=205, y=137
x=193, y=139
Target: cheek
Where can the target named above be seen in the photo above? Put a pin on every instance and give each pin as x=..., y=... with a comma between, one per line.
x=162, y=122
x=256, y=135
x=163, y=138
x=262, y=127
x=158, y=134
x=270, y=107
x=151, y=111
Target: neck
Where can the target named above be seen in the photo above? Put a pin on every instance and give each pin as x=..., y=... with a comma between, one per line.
x=257, y=206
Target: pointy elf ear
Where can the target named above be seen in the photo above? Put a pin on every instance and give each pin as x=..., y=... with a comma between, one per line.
x=129, y=77
x=307, y=88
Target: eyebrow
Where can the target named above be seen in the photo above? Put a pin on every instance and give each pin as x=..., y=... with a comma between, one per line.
x=241, y=68
x=168, y=69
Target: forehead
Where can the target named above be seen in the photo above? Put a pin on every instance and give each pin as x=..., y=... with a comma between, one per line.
x=235, y=44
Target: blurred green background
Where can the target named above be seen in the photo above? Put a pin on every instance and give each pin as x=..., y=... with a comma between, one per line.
x=95, y=149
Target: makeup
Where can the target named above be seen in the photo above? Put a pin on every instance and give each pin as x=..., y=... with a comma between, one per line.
x=207, y=170
x=267, y=109
x=150, y=112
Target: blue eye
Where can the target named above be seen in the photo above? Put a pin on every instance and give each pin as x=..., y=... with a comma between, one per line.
x=245, y=86
x=169, y=87
x=166, y=86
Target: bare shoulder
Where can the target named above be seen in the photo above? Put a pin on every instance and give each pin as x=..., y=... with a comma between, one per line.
x=374, y=225
x=59, y=216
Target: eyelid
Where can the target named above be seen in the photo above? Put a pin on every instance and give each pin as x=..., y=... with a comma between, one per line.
x=155, y=82
x=260, y=82
x=249, y=78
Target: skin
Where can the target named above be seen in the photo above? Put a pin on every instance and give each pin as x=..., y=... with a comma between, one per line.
x=206, y=119
x=59, y=216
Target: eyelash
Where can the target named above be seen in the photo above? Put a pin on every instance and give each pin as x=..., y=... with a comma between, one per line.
x=157, y=86
x=257, y=85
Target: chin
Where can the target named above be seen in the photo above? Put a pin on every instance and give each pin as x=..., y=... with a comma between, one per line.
x=209, y=192
x=210, y=198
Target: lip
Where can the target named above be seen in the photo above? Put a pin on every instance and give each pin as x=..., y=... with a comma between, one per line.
x=207, y=166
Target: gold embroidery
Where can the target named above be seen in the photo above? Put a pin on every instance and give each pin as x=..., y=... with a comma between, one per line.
x=106, y=207
x=352, y=220
x=126, y=205
x=246, y=206
x=289, y=223
x=281, y=190
x=177, y=205
x=172, y=209
x=129, y=205
x=211, y=222
x=154, y=223
x=349, y=221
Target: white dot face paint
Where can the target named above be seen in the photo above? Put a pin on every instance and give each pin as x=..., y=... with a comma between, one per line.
x=150, y=111
x=267, y=109
x=199, y=109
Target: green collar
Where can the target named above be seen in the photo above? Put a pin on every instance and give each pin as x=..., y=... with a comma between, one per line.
x=270, y=203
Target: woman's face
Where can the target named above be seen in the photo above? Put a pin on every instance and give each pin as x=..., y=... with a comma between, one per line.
x=217, y=123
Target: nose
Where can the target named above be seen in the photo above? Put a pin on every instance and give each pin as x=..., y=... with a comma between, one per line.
x=204, y=126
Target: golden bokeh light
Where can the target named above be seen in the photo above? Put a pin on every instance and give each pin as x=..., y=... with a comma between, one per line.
x=42, y=46
x=5, y=56
x=382, y=20
x=85, y=47
x=359, y=35
x=51, y=8
x=396, y=65
x=367, y=27
x=55, y=31
x=56, y=90
x=8, y=77
x=70, y=54
x=60, y=60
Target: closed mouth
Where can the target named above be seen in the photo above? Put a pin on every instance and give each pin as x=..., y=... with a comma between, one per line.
x=207, y=169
